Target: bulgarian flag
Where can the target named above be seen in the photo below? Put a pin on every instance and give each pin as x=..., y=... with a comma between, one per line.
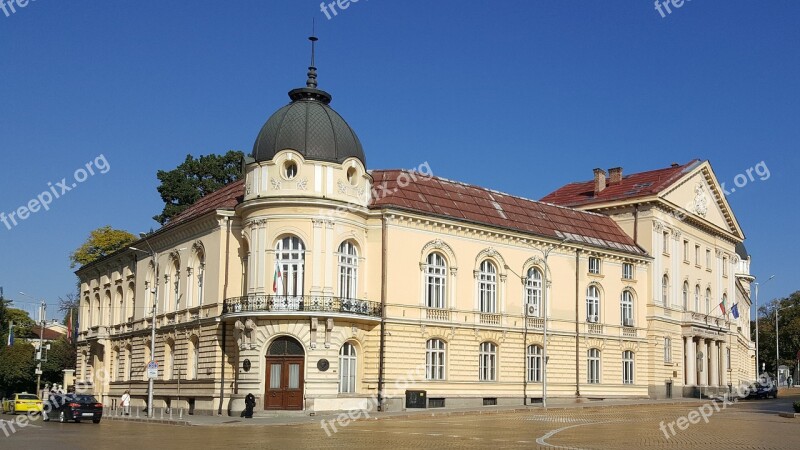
x=722, y=306
x=277, y=279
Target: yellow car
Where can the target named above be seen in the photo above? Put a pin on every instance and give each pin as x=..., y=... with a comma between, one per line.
x=22, y=403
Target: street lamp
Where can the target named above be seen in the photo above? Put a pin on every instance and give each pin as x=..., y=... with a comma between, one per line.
x=40, y=351
x=777, y=357
x=757, y=285
x=153, y=255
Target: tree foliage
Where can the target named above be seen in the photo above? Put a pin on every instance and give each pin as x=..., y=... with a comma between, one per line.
x=23, y=324
x=788, y=330
x=101, y=242
x=62, y=355
x=17, y=368
x=194, y=179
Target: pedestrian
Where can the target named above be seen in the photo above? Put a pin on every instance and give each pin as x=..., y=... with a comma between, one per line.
x=126, y=403
x=249, y=404
x=789, y=384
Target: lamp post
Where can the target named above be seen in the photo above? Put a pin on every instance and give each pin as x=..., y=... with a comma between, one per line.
x=153, y=255
x=40, y=350
x=777, y=354
x=757, y=285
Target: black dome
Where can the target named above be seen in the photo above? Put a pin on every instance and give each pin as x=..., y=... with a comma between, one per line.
x=311, y=127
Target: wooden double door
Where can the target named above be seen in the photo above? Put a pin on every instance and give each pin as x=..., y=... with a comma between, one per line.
x=284, y=382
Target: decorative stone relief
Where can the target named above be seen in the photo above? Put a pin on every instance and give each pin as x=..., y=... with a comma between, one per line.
x=700, y=206
x=276, y=184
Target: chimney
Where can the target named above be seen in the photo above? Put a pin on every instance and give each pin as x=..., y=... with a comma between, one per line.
x=614, y=175
x=599, y=181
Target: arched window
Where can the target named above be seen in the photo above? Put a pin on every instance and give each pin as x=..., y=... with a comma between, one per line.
x=708, y=301
x=113, y=364
x=487, y=287
x=665, y=290
x=593, y=369
x=107, y=308
x=175, y=287
x=434, y=359
x=348, y=271
x=128, y=363
x=348, y=364
x=627, y=367
x=487, y=362
x=435, y=281
x=290, y=255
x=533, y=290
x=626, y=308
x=697, y=298
x=592, y=304
x=535, y=364
x=130, y=303
x=201, y=272
x=150, y=289
x=119, y=307
x=685, y=295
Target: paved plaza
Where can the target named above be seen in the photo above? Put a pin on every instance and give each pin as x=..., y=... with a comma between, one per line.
x=751, y=424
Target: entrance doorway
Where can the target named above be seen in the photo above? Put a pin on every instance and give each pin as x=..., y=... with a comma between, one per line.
x=284, y=378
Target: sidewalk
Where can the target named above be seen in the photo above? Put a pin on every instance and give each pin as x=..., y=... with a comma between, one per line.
x=304, y=417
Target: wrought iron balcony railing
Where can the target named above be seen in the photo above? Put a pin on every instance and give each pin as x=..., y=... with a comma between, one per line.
x=295, y=303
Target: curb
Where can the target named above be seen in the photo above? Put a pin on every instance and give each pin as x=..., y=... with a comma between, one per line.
x=149, y=421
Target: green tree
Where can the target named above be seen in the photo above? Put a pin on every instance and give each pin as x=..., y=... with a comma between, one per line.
x=788, y=329
x=101, y=242
x=61, y=356
x=194, y=179
x=23, y=324
x=17, y=368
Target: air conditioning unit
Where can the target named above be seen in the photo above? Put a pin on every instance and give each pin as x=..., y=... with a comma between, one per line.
x=530, y=311
x=592, y=319
x=628, y=322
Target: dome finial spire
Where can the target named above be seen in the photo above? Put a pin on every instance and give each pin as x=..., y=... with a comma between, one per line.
x=312, y=70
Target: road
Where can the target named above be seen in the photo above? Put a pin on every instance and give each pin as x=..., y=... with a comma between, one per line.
x=747, y=424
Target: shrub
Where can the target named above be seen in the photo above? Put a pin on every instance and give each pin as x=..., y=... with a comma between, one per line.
x=796, y=407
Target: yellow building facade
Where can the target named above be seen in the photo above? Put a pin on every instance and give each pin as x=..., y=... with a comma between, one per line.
x=318, y=285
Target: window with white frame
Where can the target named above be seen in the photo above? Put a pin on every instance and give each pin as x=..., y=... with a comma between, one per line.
x=535, y=365
x=487, y=287
x=627, y=367
x=665, y=290
x=667, y=350
x=665, y=243
x=686, y=250
x=697, y=298
x=348, y=270
x=290, y=254
x=626, y=308
x=533, y=290
x=627, y=271
x=708, y=259
x=593, y=369
x=697, y=255
x=727, y=359
x=594, y=265
x=685, y=294
x=487, y=362
x=435, y=281
x=708, y=301
x=348, y=366
x=592, y=304
x=434, y=359
x=725, y=266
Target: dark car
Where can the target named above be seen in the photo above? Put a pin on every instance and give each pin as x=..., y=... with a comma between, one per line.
x=763, y=389
x=73, y=407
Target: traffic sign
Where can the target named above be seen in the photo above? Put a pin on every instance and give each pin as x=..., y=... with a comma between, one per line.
x=152, y=369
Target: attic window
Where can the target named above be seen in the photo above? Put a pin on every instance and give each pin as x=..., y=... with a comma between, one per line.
x=352, y=176
x=290, y=170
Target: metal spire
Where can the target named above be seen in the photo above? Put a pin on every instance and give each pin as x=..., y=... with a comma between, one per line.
x=312, y=70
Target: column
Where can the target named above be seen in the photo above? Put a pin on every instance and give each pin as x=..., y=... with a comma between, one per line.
x=723, y=352
x=689, y=366
x=702, y=369
x=714, y=363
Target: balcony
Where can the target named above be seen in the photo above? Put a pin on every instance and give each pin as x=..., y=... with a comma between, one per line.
x=594, y=328
x=535, y=323
x=489, y=319
x=291, y=305
x=441, y=315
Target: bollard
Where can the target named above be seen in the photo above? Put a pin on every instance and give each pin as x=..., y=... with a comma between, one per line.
x=180, y=414
x=137, y=412
x=162, y=413
x=170, y=414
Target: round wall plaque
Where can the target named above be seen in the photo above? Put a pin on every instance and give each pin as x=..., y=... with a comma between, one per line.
x=246, y=365
x=323, y=365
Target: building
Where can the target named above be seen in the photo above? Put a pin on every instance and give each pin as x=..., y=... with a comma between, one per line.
x=317, y=285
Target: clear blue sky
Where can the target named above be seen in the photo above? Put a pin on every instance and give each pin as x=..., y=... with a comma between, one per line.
x=548, y=89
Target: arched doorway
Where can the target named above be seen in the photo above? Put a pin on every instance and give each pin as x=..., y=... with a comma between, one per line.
x=284, y=381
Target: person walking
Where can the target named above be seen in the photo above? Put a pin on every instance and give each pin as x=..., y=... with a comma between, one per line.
x=126, y=403
x=249, y=404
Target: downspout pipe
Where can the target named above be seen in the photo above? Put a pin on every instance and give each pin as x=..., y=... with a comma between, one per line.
x=384, y=273
x=577, y=322
x=224, y=327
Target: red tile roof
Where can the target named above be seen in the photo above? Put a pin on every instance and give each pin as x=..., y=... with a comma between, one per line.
x=453, y=200
x=635, y=185
x=226, y=197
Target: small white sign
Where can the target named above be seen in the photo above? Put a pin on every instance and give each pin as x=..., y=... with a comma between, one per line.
x=152, y=369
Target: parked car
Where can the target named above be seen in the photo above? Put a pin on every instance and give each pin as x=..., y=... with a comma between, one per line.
x=761, y=389
x=73, y=407
x=22, y=403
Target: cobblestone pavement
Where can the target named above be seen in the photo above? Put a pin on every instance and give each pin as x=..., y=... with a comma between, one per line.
x=745, y=425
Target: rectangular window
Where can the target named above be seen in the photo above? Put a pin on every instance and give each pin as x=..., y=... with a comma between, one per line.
x=667, y=350
x=697, y=254
x=487, y=362
x=708, y=259
x=593, y=372
x=435, y=403
x=594, y=265
x=627, y=367
x=686, y=250
x=627, y=271
x=665, y=243
x=728, y=359
x=725, y=266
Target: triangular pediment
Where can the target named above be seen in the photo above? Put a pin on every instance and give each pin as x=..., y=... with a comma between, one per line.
x=699, y=196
